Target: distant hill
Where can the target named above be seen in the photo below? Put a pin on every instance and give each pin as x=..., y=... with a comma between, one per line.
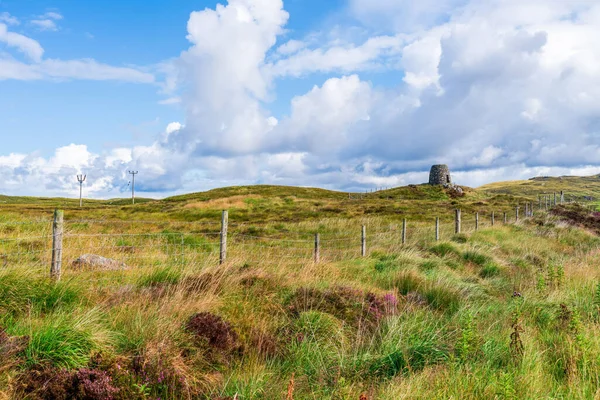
x=573, y=186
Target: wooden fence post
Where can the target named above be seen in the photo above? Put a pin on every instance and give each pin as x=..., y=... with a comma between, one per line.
x=437, y=229
x=363, y=242
x=57, y=244
x=493, y=219
x=540, y=201
x=404, y=231
x=224, y=223
x=505, y=218
x=526, y=210
x=554, y=199
x=317, y=248
x=476, y=221
x=531, y=209
x=517, y=214
x=457, y=221
x=562, y=197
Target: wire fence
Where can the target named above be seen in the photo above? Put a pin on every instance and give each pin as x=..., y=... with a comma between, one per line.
x=116, y=247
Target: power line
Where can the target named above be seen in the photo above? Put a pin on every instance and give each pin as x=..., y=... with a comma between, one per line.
x=81, y=179
x=133, y=174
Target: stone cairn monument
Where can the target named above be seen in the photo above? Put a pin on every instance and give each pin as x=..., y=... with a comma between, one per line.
x=440, y=175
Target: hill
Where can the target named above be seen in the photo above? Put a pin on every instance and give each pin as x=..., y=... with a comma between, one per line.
x=575, y=187
x=266, y=203
x=504, y=311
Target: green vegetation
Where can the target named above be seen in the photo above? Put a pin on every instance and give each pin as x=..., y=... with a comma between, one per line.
x=510, y=311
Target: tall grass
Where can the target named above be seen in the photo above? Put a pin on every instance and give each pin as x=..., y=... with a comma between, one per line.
x=450, y=309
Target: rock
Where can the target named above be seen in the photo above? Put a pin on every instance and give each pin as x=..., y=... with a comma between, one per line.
x=454, y=190
x=93, y=261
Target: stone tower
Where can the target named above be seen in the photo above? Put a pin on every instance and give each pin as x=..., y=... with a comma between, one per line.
x=440, y=175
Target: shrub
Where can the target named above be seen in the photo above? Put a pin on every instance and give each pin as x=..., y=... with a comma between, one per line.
x=83, y=384
x=212, y=330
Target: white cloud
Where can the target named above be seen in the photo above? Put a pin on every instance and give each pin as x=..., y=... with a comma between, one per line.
x=173, y=127
x=8, y=19
x=170, y=101
x=374, y=53
x=53, y=15
x=47, y=21
x=291, y=46
x=497, y=89
x=44, y=24
x=40, y=68
x=25, y=45
x=403, y=15
x=70, y=69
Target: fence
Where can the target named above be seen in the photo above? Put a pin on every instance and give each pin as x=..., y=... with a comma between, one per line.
x=53, y=244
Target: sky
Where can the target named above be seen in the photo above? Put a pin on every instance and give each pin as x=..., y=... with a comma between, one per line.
x=342, y=94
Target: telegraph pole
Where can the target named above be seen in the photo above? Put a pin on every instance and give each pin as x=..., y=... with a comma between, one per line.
x=81, y=179
x=133, y=174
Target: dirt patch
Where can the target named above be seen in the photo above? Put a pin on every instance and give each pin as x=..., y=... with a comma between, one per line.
x=10, y=346
x=238, y=202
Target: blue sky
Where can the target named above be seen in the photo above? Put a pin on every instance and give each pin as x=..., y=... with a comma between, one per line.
x=343, y=94
x=106, y=114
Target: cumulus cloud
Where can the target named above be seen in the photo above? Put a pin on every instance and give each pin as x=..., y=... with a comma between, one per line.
x=497, y=89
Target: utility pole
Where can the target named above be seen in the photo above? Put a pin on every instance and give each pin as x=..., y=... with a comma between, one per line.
x=133, y=174
x=81, y=179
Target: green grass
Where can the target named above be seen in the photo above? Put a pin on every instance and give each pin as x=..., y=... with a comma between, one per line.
x=421, y=320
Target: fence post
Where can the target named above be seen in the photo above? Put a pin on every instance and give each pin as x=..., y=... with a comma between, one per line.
x=476, y=221
x=531, y=209
x=224, y=223
x=57, y=244
x=505, y=219
x=540, y=201
x=404, y=231
x=317, y=248
x=493, y=218
x=562, y=197
x=363, y=241
x=554, y=199
x=526, y=210
x=437, y=229
x=517, y=214
x=457, y=221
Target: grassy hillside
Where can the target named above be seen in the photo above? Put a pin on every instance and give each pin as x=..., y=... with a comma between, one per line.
x=574, y=186
x=508, y=311
x=266, y=204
